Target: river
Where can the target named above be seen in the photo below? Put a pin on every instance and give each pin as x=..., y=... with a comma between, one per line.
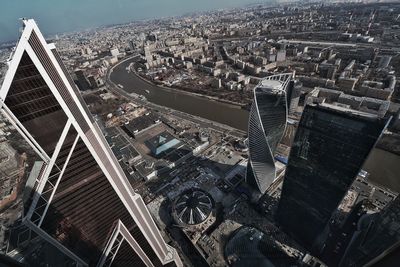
x=227, y=114
x=383, y=166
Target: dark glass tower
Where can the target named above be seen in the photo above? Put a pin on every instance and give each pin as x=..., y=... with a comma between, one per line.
x=81, y=203
x=267, y=124
x=330, y=147
x=377, y=239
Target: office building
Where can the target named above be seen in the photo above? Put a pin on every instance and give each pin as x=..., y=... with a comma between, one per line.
x=81, y=80
x=293, y=95
x=81, y=204
x=267, y=124
x=330, y=147
x=132, y=45
x=114, y=52
x=377, y=239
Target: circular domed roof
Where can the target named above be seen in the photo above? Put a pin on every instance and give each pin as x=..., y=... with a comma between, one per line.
x=193, y=207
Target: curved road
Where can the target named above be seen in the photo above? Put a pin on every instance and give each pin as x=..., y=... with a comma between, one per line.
x=212, y=110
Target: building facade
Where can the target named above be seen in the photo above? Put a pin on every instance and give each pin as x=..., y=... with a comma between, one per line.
x=377, y=239
x=81, y=202
x=293, y=95
x=330, y=147
x=267, y=123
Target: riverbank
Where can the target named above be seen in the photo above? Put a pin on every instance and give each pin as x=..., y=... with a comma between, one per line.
x=133, y=86
x=181, y=90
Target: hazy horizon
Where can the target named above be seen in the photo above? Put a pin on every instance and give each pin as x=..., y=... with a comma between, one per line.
x=65, y=16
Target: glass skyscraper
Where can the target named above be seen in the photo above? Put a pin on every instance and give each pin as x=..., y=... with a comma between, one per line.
x=330, y=147
x=377, y=239
x=267, y=124
x=81, y=202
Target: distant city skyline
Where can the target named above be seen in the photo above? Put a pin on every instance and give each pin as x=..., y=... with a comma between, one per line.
x=73, y=15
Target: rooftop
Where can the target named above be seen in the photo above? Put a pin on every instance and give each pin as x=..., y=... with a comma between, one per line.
x=271, y=84
x=193, y=207
x=162, y=143
x=347, y=111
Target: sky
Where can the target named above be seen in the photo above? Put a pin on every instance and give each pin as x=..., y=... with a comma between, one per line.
x=57, y=16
